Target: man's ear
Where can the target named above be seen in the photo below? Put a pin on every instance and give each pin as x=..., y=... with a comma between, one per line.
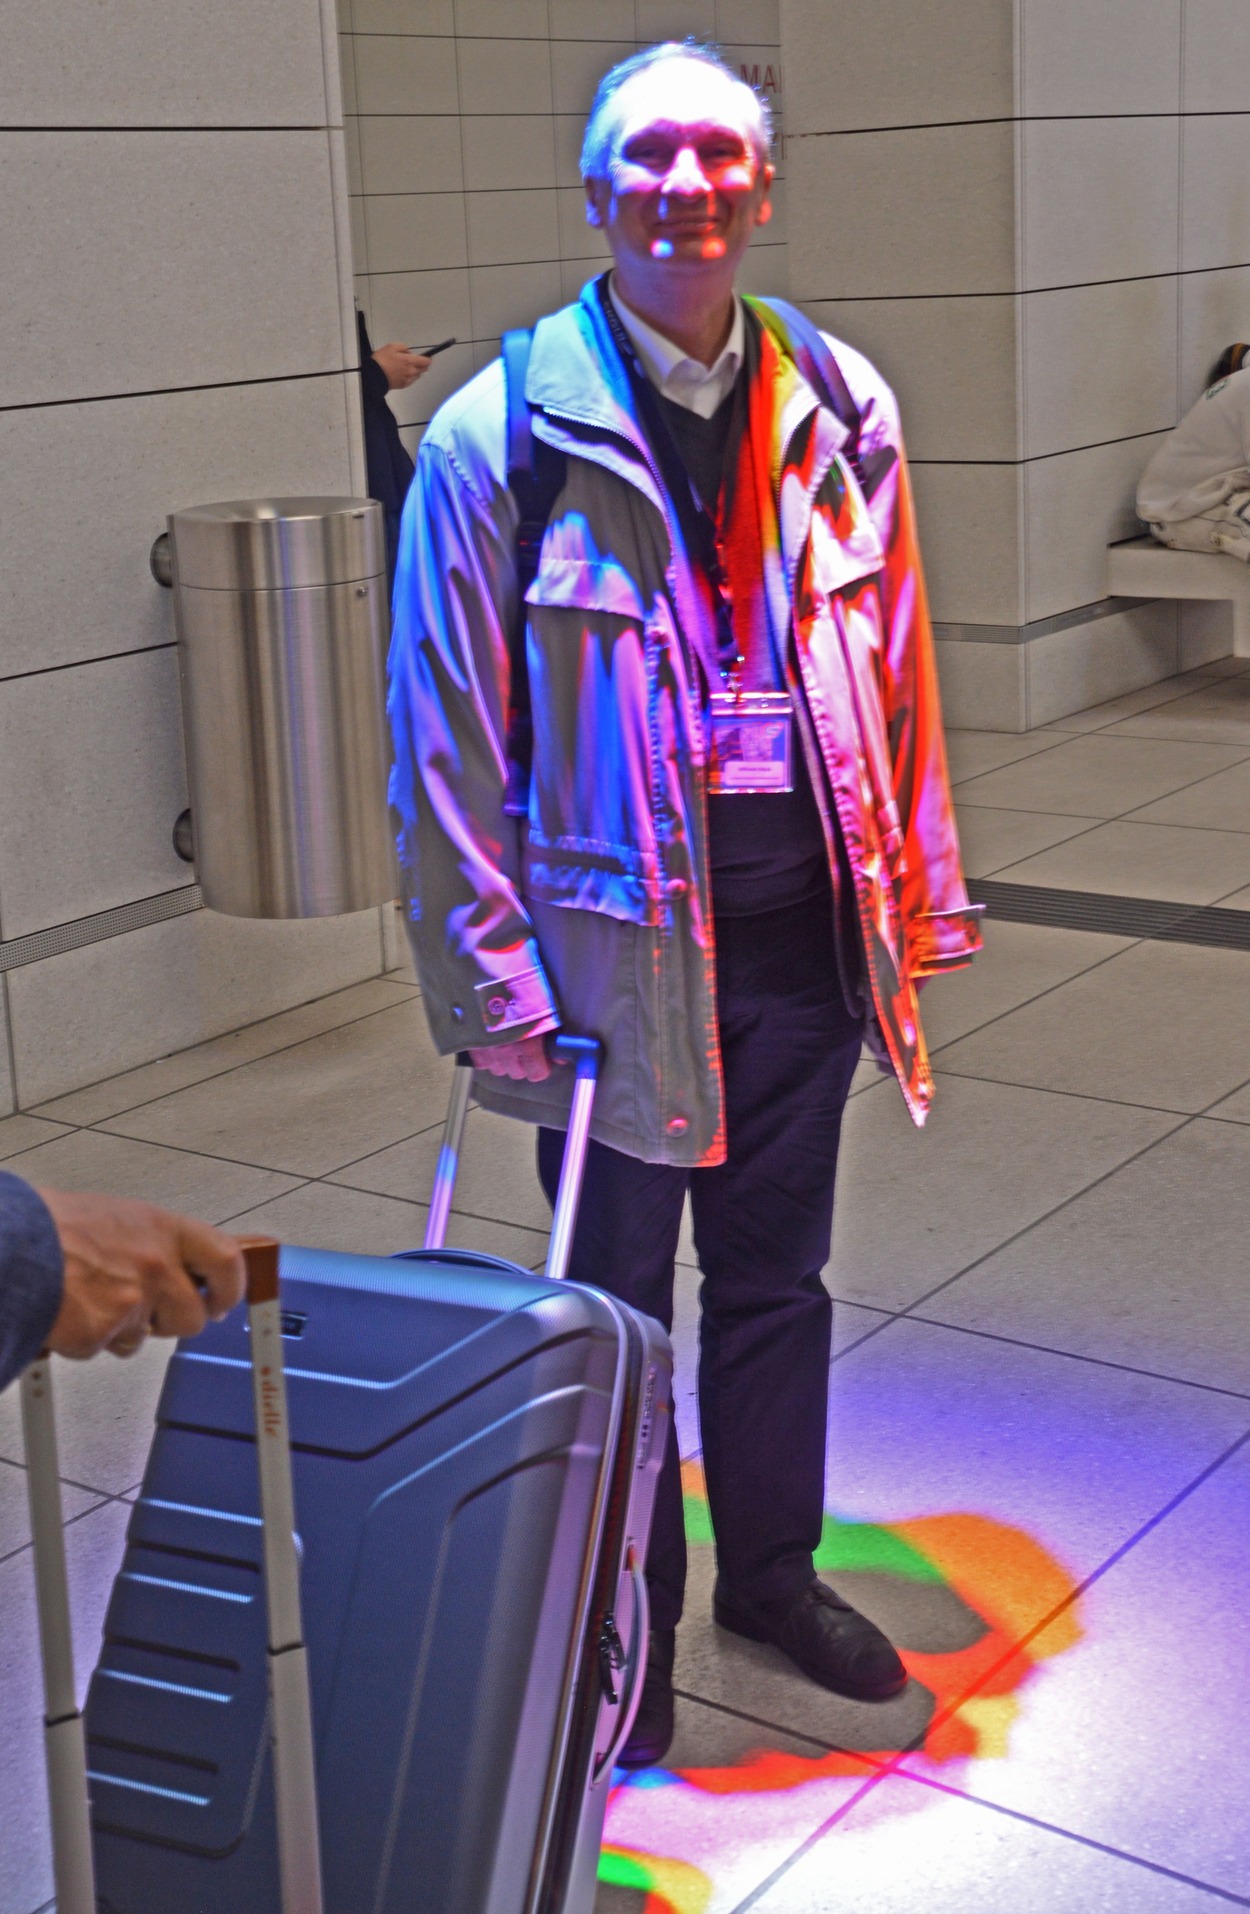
x=764, y=211
x=594, y=211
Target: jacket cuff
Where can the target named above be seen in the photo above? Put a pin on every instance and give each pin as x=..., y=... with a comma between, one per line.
x=33, y=1275
x=505, y=1003
x=943, y=940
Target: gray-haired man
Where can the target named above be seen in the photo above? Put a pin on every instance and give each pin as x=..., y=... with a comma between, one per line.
x=730, y=852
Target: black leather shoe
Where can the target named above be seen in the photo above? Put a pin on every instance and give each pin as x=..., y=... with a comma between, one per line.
x=831, y=1642
x=652, y=1732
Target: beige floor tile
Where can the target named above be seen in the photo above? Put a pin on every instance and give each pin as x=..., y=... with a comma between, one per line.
x=1221, y=803
x=1218, y=714
x=1019, y=962
x=990, y=839
x=22, y=1132
x=1154, y=1711
x=327, y=1216
x=915, y=1206
x=1148, y=698
x=1239, y=900
x=970, y=753
x=498, y=1179
x=970, y=1861
x=1102, y=775
x=1166, y=861
x=315, y=1106
x=203, y=1186
x=1161, y=1024
x=1147, y=1268
x=211, y=1059
x=105, y=1412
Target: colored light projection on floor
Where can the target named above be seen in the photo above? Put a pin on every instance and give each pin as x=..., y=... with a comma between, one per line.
x=1008, y=1582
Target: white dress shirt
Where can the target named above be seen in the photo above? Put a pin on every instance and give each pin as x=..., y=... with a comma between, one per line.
x=674, y=373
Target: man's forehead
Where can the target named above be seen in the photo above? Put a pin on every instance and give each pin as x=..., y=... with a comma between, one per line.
x=682, y=97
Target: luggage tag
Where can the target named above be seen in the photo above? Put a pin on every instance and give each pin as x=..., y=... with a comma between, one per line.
x=751, y=744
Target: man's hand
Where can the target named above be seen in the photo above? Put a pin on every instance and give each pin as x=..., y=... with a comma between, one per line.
x=401, y=365
x=132, y=1270
x=526, y=1061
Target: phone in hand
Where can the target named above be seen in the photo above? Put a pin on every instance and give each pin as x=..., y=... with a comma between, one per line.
x=427, y=352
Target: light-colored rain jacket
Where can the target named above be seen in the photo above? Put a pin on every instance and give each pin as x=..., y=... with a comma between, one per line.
x=595, y=912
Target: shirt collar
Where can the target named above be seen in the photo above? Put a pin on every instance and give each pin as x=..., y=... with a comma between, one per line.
x=688, y=382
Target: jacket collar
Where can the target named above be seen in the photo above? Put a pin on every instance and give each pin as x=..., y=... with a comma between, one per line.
x=575, y=377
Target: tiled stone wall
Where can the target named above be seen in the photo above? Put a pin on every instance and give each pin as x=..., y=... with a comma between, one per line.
x=175, y=327
x=464, y=125
x=1032, y=214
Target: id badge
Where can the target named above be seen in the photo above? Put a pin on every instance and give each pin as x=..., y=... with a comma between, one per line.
x=751, y=743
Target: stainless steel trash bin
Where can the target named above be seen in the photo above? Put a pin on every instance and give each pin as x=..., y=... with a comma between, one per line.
x=281, y=611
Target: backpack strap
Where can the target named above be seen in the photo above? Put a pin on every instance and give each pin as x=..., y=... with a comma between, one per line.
x=536, y=474
x=815, y=360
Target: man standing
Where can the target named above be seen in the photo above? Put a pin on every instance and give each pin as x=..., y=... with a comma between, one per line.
x=706, y=817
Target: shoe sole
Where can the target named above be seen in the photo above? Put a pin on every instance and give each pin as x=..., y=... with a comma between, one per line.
x=737, y=1623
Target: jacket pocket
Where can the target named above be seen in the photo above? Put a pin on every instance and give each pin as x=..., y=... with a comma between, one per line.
x=591, y=841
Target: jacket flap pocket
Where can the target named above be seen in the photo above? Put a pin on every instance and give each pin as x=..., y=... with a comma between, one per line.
x=587, y=584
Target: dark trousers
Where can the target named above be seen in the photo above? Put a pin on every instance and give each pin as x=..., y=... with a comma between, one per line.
x=762, y=1227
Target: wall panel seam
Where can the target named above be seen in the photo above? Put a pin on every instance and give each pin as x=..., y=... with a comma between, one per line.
x=160, y=391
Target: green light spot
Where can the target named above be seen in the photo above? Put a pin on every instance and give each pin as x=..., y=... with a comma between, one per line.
x=862, y=1546
x=698, y=1521
x=622, y=1870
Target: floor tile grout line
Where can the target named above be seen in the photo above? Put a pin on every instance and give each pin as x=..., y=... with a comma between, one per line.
x=1071, y=1834
x=1116, y=817
x=1047, y=1090
x=805, y=1847
x=1087, y=1582
x=1076, y=1355
x=214, y=1075
x=780, y=1728
x=1128, y=944
x=103, y=1497
x=896, y=1769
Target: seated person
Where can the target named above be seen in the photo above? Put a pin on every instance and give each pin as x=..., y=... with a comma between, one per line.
x=1195, y=492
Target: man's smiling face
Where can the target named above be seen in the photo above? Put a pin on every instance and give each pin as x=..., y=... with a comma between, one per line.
x=685, y=186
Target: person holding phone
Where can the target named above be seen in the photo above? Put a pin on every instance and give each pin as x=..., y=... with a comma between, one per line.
x=391, y=368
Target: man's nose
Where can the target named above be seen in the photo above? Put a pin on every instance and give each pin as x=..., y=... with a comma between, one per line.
x=686, y=174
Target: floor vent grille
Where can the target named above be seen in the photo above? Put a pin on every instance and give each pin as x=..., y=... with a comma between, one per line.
x=1115, y=916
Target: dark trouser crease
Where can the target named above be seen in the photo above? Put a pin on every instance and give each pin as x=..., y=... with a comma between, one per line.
x=762, y=1227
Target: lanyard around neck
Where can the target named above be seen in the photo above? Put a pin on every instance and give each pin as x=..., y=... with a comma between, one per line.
x=698, y=527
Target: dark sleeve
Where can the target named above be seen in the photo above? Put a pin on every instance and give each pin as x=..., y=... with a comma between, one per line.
x=373, y=385
x=388, y=465
x=31, y=1273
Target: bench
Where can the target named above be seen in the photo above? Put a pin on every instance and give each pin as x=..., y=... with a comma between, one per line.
x=1140, y=568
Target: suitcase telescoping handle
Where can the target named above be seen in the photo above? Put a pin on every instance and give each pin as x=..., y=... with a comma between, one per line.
x=290, y=1704
x=65, y=1743
x=584, y=1054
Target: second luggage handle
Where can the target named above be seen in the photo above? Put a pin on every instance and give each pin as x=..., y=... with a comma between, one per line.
x=290, y=1702
x=584, y=1054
